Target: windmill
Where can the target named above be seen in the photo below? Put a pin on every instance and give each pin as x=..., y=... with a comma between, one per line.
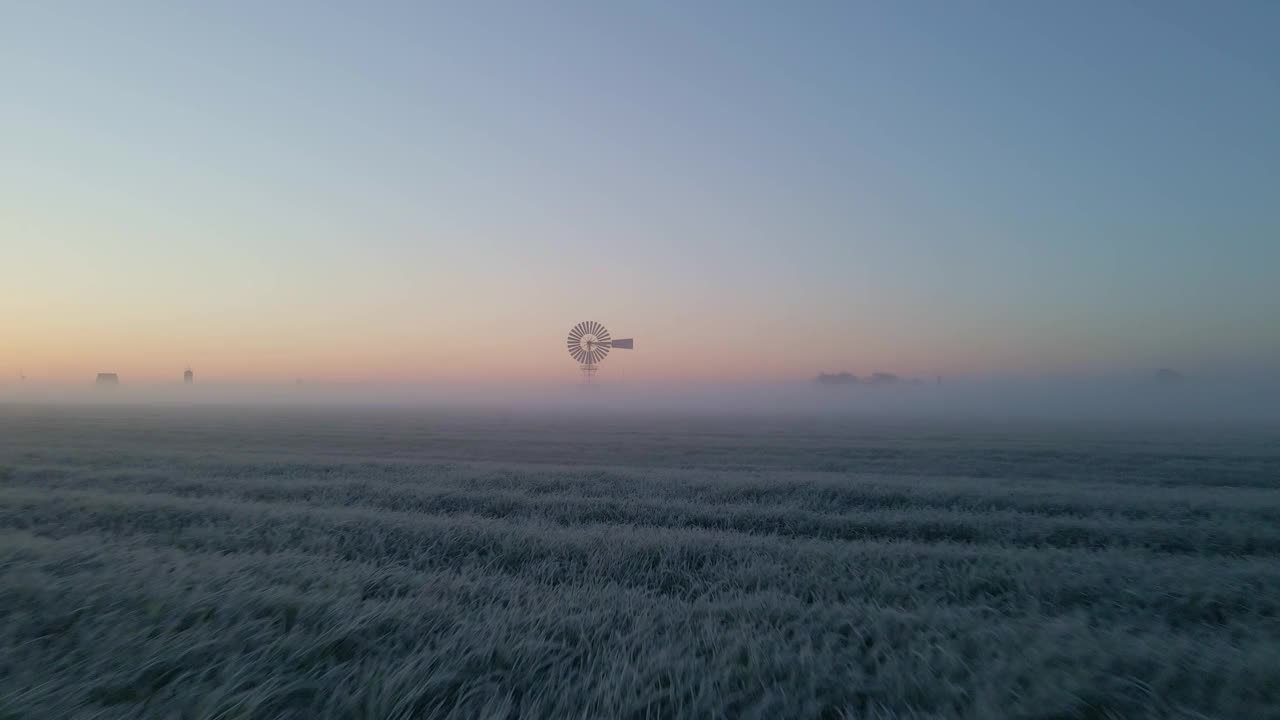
x=589, y=343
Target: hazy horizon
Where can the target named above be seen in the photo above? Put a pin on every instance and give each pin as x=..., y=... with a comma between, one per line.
x=1115, y=400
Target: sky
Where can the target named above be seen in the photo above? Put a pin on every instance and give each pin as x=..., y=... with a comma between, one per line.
x=437, y=192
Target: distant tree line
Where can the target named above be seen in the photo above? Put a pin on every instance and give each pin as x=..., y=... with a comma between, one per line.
x=845, y=378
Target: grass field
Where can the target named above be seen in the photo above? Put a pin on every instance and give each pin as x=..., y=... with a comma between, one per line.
x=222, y=563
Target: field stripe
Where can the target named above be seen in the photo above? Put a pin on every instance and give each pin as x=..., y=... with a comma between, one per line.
x=1008, y=528
x=684, y=562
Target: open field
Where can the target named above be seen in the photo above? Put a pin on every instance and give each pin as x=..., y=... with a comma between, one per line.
x=226, y=563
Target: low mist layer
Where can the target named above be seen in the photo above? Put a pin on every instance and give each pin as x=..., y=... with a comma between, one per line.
x=1094, y=400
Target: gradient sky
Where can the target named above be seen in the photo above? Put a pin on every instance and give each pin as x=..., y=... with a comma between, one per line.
x=388, y=191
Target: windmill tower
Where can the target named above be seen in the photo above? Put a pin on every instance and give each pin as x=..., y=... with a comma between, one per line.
x=589, y=343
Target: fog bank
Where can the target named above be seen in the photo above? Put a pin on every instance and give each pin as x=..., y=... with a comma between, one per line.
x=1093, y=399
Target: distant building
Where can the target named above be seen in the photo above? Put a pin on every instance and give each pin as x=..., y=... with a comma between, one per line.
x=840, y=378
x=188, y=377
x=108, y=379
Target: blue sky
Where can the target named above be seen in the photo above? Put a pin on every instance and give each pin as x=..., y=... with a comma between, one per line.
x=391, y=191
